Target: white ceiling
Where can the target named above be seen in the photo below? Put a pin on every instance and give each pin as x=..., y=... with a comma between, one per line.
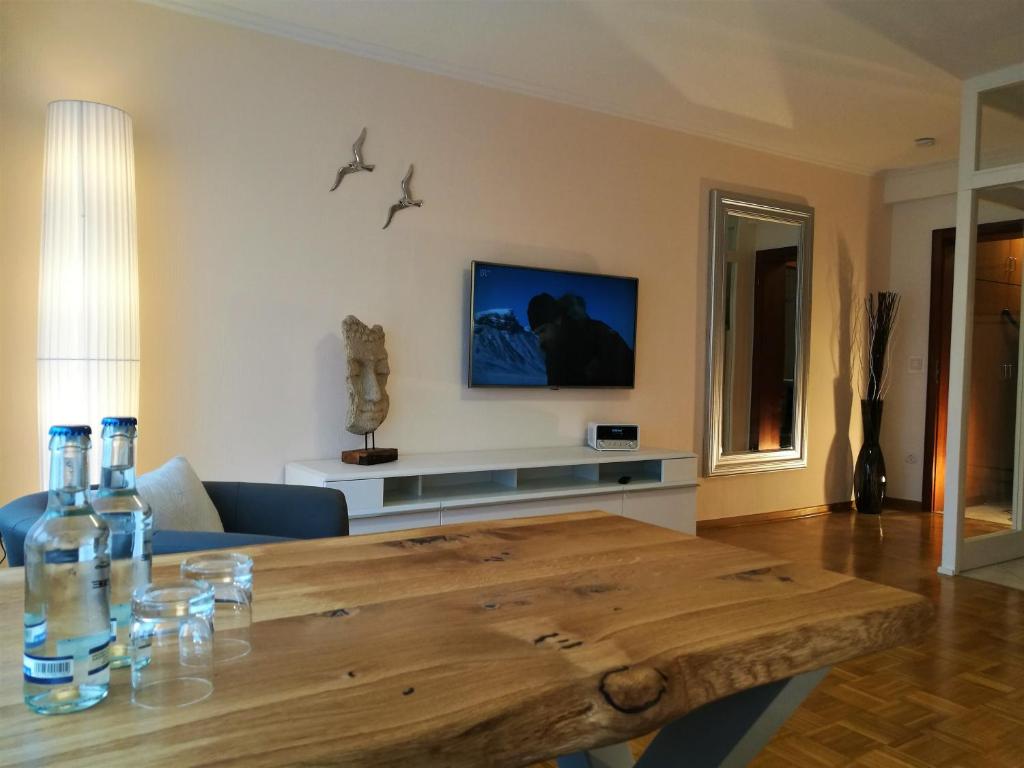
x=845, y=83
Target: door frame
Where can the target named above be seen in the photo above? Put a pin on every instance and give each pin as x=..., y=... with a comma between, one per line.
x=958, y=552
x=937, y=341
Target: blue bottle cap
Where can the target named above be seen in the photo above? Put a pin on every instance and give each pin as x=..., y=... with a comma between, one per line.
x=70, y=430
x=120, y=421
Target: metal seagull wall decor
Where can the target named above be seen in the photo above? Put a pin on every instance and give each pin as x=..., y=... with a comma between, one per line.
x=405, y=201
x=356, y=164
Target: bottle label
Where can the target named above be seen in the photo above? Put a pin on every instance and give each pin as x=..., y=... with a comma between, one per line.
x=81, y=646
x=91, y=668
x=91, y=654
x=53, y=670
x=35, y=634
x=98, y=668
x=61, y=556
x=120, y=614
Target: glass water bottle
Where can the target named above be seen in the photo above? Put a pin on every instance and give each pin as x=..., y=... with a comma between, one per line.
x=131, y=530
x=67, y=587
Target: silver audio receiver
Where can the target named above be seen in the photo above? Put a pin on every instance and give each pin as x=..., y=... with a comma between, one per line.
x=613, y=437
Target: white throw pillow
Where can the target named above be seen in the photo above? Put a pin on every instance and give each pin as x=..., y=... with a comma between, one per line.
x=178, y=498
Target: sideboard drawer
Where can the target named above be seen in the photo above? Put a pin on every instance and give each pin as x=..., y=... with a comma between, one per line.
x=361, y=495
x=395, y=522
x=674, y=508
x=679, y=470
x=606, y=502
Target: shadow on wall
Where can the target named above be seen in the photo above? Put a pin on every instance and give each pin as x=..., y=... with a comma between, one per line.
x=839, y=464
x=329, y=398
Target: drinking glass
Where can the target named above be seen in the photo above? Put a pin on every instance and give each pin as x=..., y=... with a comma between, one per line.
x=172, y=644
x=230, y=575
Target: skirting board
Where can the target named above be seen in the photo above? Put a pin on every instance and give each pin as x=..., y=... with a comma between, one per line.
x=771, y=517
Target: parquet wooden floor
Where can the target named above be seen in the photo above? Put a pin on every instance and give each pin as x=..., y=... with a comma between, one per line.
x=953, y=700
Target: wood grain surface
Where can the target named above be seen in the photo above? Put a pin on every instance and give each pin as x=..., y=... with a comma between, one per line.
x=499, y=643
x=952, y=699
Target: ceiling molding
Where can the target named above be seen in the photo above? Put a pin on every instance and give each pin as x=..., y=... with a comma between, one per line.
x=934, y=180
x=215, y=11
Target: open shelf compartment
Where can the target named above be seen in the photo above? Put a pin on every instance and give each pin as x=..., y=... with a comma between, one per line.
x=468, y=484
x=401, y=490
x=536, y=479
x=423, y=491
x=644, y=471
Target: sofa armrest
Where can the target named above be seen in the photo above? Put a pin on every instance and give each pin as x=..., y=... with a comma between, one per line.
x=15, y=520
x=268, y=509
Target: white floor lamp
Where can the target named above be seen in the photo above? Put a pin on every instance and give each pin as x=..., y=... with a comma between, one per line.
x=88, y=353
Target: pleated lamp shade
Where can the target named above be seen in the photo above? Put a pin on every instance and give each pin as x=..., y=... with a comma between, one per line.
x=88, y=354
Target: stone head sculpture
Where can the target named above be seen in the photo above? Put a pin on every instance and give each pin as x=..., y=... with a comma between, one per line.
x=367, y=377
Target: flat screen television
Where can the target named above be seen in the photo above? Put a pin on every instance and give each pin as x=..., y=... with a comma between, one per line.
x=547, y=328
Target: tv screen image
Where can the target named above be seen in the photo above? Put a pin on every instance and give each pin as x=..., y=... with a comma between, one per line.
x=547, y=328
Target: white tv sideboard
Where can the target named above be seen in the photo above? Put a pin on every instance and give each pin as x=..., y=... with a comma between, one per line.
x=424, y=489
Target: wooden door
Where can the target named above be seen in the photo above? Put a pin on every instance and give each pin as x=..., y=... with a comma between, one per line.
x=770, y=394
x=940, y=327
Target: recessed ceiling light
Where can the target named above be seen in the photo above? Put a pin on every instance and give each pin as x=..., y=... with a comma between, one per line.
x=925, y=141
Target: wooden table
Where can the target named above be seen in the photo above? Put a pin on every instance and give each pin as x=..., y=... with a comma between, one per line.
x=498, y=643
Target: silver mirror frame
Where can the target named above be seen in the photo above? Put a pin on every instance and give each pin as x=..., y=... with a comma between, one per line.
x=716, y=462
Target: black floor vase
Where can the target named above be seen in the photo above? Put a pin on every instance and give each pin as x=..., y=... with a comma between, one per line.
x=869, y=472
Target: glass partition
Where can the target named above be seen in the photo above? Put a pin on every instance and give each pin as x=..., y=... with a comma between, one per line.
x=1000, y=126
x=984, y=477
x=994, y=408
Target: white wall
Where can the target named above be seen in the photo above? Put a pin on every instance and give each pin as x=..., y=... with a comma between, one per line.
x=248, y=264
x=905, y=404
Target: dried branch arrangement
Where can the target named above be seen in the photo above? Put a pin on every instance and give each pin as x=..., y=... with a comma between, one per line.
x=882, y=314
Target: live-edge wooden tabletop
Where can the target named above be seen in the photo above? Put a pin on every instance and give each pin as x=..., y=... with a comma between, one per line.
x=498, y=643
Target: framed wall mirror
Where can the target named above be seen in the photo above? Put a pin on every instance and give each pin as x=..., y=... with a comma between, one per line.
x=759, y=312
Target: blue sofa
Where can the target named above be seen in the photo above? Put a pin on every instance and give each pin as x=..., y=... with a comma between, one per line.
x=252, y=513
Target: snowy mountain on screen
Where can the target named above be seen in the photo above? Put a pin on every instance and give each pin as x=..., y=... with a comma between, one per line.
x=505, y=353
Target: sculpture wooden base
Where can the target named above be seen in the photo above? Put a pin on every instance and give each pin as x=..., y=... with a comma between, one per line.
x=367, y=456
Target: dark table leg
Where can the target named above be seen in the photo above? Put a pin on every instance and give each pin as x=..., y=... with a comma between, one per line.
x=727, y=733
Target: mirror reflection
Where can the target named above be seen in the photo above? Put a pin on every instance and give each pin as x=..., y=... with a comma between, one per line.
x=759, y=354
